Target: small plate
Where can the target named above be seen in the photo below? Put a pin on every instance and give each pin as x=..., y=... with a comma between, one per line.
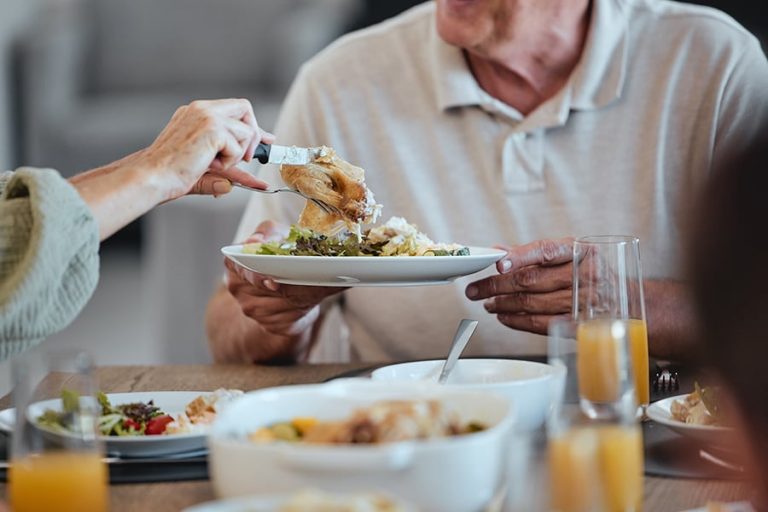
x=707, y=434
x=358, y=271
x=170, y=402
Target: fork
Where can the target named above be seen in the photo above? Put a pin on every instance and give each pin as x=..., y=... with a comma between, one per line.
x=666, y=379
x=327, y=208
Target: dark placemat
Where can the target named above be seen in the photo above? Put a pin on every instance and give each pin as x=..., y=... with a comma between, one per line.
x=137, y=472
x=668, y=454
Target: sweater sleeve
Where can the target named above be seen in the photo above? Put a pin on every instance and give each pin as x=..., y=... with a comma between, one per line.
x=49, y=261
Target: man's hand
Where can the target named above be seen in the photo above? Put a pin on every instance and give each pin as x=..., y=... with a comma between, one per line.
x=534, y=286
x=280, y=309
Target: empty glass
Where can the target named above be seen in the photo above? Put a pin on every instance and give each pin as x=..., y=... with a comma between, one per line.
x=56, y=458
x=607, y=292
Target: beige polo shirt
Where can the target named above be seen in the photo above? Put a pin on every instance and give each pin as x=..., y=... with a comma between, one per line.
x=661, y=89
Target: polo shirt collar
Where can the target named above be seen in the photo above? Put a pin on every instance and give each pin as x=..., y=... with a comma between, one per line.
x=597, y=80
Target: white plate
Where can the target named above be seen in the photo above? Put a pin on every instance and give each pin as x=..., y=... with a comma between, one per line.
x=708, y=434
x=737, y=506
x=270, y=503
x=365, y=270
x=170, y=402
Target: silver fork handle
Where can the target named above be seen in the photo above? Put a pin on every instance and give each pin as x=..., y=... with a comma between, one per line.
x=327, y=208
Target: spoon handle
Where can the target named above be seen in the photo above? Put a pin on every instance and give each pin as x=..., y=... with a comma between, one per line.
x=460, y=340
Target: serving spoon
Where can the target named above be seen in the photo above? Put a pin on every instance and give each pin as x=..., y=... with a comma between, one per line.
x=460, y=340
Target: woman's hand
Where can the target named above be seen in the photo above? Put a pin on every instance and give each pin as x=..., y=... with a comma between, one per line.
x=199, y=148
x=196, y=153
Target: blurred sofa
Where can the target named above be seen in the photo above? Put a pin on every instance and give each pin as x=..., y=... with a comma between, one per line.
x=100, y=78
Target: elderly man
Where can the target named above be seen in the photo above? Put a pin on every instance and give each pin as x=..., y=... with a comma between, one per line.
x=522, y=122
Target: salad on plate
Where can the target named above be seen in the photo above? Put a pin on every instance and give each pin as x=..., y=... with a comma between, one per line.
x=394, y=238
x=138, y=418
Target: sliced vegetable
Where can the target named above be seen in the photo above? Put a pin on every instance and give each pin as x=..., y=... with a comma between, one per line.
x=157, y=425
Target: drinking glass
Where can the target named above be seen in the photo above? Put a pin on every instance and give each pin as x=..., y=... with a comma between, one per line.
x=608, y=288
x=595, y=463
x=56, y=459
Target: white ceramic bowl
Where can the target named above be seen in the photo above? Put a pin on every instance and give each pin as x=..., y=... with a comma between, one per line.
x=527, y=385
x=455, y=474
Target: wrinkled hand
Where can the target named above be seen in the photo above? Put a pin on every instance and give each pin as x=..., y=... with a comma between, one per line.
x=199, y=148
x=534, y=285
x=280, y=309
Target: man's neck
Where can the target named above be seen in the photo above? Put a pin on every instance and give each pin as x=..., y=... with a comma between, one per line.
x=537, y=59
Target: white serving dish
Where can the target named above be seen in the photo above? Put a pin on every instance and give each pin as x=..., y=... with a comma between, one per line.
x=708, y=434
x=527, y=385
x=456, y=474
x=365, y=270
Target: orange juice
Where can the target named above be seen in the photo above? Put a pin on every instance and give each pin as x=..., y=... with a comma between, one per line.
x=60, y=481
x=638, y=347
x=573, y=471
x=597, y=468
x=597, y=360
x=621, y=464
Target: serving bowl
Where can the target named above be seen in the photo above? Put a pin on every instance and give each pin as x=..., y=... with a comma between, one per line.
x=527, y=385
x=451, y=474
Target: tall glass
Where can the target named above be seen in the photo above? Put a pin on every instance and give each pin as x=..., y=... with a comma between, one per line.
x=595, y=465
x=56, y=458
x=608, y=287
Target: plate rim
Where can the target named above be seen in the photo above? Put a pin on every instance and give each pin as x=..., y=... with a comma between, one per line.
x=667, y=419
x=228, y=250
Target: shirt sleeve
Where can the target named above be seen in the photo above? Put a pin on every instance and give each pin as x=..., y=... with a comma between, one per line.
x=743, y=112
x=49, y=257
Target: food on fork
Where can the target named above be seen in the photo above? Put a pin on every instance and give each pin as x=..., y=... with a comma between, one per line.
x=702, y=407
x=395, y=238
x=337, y=183
x=383, y=422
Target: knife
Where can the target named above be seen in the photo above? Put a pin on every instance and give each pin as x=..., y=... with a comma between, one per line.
x=291, y=155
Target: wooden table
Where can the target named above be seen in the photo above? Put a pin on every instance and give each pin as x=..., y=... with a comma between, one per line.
x=661, y=494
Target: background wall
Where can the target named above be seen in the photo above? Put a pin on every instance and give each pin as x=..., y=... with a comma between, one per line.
x=16, y=14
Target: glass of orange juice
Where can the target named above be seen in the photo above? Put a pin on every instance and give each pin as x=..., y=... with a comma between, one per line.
x=608, y=288
x=595, y=461
x=56, y=457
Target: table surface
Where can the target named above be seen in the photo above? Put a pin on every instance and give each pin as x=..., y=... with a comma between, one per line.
x=661, y=494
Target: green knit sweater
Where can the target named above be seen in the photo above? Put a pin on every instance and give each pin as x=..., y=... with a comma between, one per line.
x=49, y=257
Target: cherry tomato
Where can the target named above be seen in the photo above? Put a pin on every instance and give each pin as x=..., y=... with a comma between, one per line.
x=157, y=425
x=129, y=423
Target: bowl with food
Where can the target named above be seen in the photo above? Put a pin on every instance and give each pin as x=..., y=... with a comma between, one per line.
x=699, y=415
x=527, y=385
x=352, y=434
